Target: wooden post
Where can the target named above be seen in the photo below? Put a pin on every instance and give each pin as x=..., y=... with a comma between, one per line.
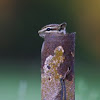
x=57, y=63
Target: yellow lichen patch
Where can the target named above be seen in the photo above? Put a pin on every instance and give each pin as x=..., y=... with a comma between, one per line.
x=53, y=62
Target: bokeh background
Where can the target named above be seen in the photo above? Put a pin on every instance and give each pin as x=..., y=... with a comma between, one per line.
x=20, y=45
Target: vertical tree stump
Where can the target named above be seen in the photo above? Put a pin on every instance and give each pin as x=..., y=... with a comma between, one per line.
x=57, y=58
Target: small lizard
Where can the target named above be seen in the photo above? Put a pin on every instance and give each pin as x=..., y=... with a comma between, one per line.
x=53, y=28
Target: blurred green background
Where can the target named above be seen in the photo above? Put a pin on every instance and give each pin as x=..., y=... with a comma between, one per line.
x=20, y=45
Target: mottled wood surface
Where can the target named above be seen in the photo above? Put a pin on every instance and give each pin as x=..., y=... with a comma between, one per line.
x=50, y=84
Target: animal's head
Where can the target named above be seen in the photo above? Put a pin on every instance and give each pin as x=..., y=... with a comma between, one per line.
x=53, y=28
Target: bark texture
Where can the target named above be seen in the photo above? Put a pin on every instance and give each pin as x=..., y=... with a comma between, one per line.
x=57, y=58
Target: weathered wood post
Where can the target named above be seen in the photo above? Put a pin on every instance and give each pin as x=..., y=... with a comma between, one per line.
x=57, y=67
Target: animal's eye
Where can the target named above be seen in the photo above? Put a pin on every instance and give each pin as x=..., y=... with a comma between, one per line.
x=48, y=29
x=60, y=29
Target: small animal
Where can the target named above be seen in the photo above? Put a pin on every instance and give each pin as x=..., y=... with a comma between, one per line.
x=53, y=28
